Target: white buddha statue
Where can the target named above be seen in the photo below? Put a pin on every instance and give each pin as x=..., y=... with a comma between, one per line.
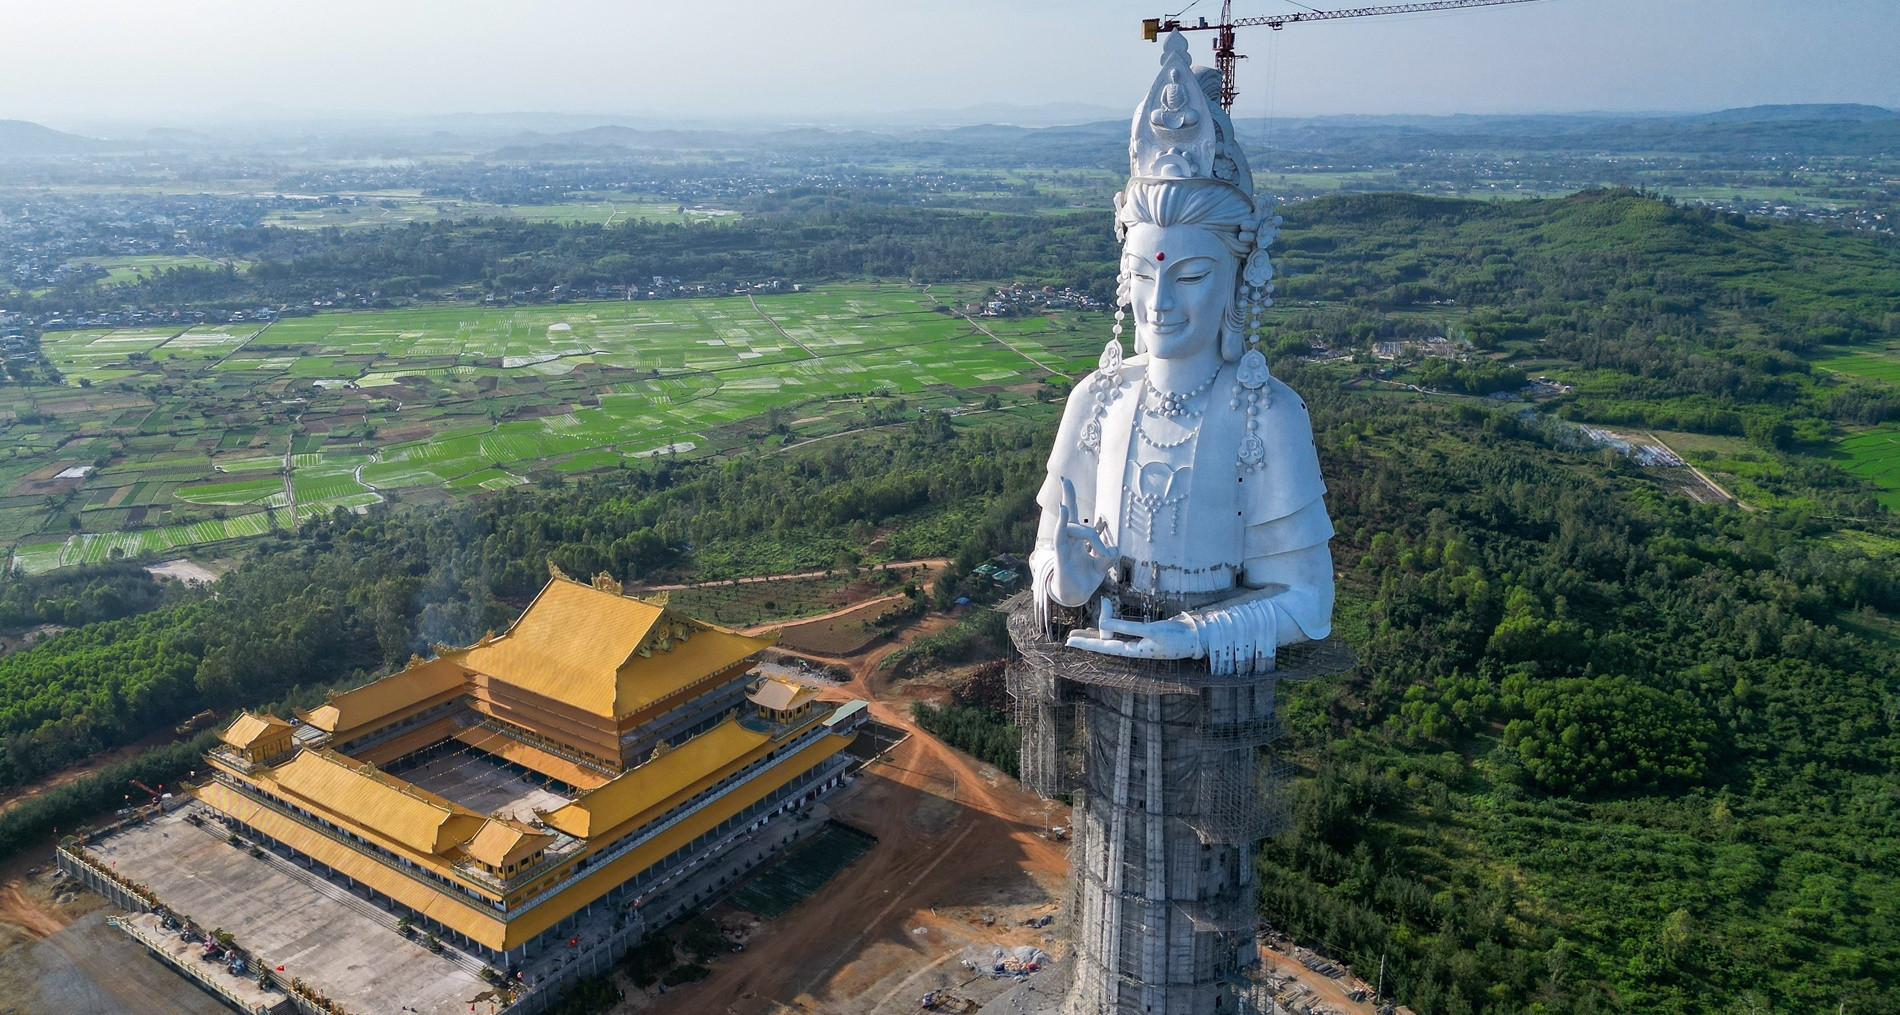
x=1183, y=515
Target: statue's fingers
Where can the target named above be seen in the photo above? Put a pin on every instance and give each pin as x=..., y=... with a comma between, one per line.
x=1106, y=646
x=1112, y=625
x=1077, y=530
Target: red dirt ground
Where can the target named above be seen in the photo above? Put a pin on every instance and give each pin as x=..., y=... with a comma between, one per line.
x=954, y=837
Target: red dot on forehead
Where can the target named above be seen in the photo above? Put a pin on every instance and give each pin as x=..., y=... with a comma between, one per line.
x=1159, y=256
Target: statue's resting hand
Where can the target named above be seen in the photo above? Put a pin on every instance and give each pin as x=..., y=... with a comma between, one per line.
x=1082, y=559
x=1159, y=639
x=1237, y=636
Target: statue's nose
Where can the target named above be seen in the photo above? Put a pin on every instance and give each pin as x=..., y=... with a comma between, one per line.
x=1163, y=297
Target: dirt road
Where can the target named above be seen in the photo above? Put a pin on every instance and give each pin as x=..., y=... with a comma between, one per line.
x=960, y=861
x=957, y=841
x=91, y=968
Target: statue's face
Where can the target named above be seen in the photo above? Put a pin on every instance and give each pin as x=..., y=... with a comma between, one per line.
x=1181, y=279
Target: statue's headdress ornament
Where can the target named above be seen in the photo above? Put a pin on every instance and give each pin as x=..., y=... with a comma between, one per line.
x=1180, y=132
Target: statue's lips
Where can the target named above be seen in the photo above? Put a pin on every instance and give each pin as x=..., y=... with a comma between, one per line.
x=1166, y=327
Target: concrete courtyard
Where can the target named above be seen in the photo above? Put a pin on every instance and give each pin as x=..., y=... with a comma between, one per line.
x=482, y=784
x=337, y=942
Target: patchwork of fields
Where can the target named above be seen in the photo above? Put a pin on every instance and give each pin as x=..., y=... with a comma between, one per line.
x=397, y=207
x=1872, y=454
x=200, y=434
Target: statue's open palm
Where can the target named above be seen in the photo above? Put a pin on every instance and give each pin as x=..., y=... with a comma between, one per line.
x=1160, y=639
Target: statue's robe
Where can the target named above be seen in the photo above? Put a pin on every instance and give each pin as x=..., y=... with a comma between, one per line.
x=1234, y=525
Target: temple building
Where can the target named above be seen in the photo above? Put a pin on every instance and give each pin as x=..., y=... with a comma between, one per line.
x=495, y=793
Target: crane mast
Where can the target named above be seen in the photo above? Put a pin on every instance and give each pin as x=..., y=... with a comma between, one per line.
x=1226, y=56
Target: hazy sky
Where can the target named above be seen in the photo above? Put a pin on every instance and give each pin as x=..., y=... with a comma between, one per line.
x=68, y=62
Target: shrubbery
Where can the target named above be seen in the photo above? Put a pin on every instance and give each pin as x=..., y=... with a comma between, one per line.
x=983, y=733
x=1478, y=377
x=66, y=807
x=1610, y=734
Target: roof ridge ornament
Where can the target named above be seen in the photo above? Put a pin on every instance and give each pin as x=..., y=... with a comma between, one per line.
x=1179, y=133
x=606, y=582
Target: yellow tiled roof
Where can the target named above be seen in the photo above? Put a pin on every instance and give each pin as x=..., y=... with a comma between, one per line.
x=501, y=843
x=399, y=812
x=435, y=903
x=781, y=695
x=583, y=647
x=530, y=757
x=683, y=771
x=648, y=853
x=470, y=917
x=383, y=698
x=403, y=743
x=248, y=728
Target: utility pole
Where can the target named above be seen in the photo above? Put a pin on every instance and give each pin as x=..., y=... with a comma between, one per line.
x=1378, y=995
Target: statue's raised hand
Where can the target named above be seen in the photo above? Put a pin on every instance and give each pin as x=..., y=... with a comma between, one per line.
x=1082, y=558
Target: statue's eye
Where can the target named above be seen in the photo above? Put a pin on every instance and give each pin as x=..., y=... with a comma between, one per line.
x=1191, y=279
x=1144, y=276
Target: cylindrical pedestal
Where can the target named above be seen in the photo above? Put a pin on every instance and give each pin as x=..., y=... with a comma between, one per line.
x=1164, y=918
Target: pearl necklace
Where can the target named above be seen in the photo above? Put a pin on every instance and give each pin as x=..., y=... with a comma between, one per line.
x=1174, y=403
x=1161, y=445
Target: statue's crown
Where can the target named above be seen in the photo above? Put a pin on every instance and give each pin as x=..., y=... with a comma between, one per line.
x=1180, y=132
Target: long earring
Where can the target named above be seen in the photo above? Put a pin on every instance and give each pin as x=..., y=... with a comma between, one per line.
x=1122, y=301
x=1231, y=330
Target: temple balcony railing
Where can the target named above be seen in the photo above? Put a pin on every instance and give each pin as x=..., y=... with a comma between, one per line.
x=758, y=723
x=700, y=801
x=415, y=872
x=539, y=743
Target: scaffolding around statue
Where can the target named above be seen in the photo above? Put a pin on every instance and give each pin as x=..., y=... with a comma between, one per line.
x=1166, y=766
x=1052, y=708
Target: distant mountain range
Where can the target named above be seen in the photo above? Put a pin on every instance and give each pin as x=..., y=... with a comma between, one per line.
x=20, y=139
x=1816, y=129
x=1053, y=134
x=1811, y=111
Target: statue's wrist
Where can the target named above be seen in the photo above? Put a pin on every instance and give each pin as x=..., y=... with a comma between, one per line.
x=1074, y=590
x=1234, y=637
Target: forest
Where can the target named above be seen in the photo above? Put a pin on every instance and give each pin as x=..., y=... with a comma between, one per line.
x=352, y=596
x=1606, y=748
x=816, y=238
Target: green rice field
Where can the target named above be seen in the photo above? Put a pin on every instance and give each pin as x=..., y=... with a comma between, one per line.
x=1874, y=364
x=1874, y=455
x=128, y=268
x=163, y=437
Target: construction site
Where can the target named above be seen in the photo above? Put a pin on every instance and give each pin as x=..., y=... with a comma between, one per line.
x=924, y=880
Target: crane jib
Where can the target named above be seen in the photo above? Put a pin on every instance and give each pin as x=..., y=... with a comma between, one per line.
x=1225, y=56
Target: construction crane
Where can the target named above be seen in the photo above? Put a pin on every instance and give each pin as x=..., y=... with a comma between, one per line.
x=1225, y=57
